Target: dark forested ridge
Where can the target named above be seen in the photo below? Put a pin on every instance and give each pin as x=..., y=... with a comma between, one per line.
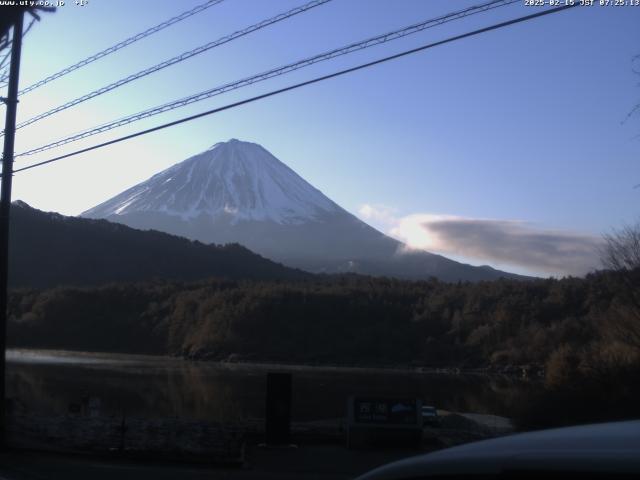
x=49, y=249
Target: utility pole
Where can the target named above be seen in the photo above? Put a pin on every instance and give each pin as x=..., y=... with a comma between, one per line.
x=5, y=208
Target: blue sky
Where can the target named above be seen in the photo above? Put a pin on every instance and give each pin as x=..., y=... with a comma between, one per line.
x=521, y=126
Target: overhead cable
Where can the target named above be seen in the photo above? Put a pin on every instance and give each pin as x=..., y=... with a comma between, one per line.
x=302, y=84
x=177, y=59
x=379, y=39
x=124, y=43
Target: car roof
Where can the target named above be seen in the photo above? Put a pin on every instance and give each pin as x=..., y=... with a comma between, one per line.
x=600, y=447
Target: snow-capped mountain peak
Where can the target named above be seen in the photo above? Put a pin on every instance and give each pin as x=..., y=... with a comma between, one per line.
x=234, y=179
x=237, y=192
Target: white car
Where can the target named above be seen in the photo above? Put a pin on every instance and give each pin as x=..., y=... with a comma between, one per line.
x=430, y=416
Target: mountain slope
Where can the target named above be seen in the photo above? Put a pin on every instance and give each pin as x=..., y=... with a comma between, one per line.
x=239, y=192
x=49, y=249
x=236, y=180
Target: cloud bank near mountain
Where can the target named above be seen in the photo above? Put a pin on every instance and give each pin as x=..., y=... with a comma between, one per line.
x=497, y=242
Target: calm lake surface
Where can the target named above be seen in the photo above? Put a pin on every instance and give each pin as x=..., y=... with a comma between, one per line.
x=48, y=382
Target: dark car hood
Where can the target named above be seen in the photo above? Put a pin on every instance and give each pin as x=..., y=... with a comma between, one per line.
x=607, y=447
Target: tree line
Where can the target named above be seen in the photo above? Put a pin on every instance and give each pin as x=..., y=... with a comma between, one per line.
x=339, y=319
x=581, y=333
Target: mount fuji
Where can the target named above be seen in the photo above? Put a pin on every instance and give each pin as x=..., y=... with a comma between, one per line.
x=238, y=192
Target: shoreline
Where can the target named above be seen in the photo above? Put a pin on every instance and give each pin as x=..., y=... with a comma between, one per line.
x=42, y=355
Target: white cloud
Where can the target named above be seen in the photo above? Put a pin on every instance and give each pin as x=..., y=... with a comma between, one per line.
x=501, y=243
x=380, y=214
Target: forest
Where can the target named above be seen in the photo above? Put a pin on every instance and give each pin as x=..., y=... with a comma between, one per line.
x=337, y=319
x=576, y=334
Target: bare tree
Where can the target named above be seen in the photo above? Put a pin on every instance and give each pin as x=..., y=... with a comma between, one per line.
x=621, y=253
x=635, y=61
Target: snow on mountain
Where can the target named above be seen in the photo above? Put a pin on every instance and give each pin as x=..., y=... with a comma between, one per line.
x=235, y=179
x=237, y=192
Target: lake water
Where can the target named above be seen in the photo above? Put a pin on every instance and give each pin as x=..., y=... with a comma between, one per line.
x=49, y=382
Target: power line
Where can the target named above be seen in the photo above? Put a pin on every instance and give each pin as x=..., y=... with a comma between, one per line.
x=177, y=59
x=303, y=84
x=6, y=57
x=114, y=48
x=415, y=28
x=4, y=75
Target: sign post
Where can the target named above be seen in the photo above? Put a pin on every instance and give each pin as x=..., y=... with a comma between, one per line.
x=278, y=410
x=378, y=421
